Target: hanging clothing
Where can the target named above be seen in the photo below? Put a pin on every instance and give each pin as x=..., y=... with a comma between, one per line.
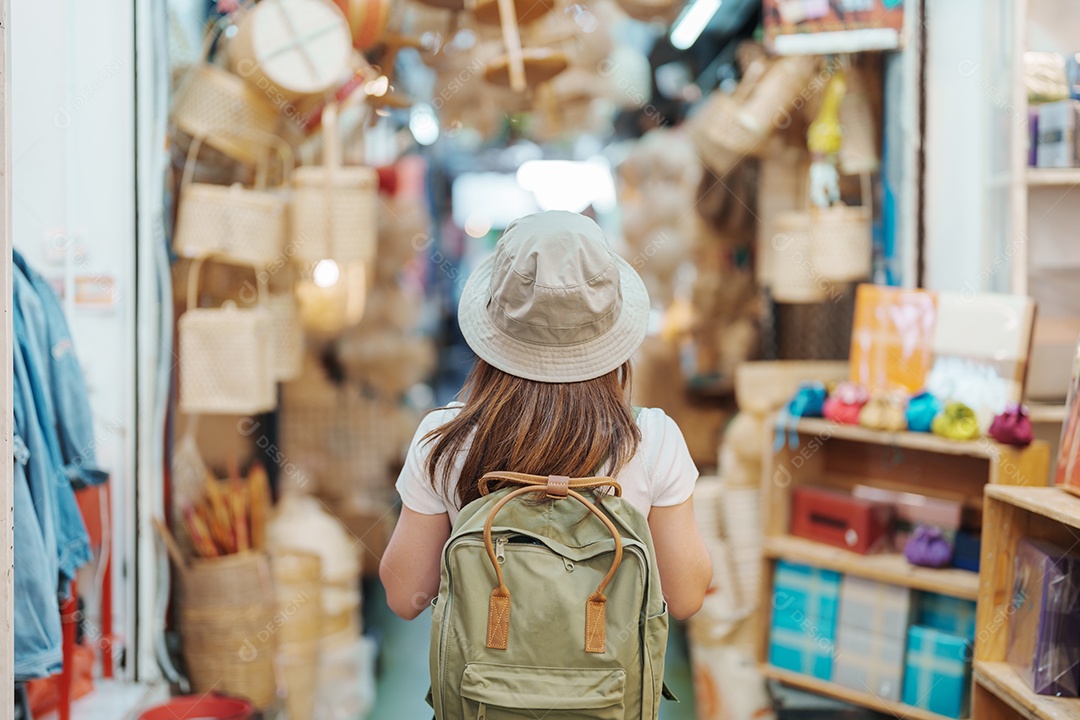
x=52, y=446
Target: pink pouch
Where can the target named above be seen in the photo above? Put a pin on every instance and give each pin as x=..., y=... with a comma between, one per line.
x=845, y=403
x=1012, y=427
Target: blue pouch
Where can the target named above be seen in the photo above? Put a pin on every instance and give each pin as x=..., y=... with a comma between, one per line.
x=808, y=401
x=921, y=411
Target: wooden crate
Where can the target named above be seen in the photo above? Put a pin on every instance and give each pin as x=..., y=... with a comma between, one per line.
x=841, y=456
x=1011, y=513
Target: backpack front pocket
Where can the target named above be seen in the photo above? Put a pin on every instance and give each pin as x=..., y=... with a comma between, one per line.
x=498, y=692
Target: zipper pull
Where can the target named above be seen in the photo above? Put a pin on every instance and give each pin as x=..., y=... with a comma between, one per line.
x=500, y=550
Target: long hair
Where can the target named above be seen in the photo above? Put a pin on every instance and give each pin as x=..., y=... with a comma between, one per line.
x=571, y=429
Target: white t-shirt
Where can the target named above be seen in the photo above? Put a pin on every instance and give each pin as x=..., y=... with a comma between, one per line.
x=661, y=472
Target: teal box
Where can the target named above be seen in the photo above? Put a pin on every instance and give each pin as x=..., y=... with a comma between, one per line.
x=937, y=673
x=948, y=614
x=802, y=635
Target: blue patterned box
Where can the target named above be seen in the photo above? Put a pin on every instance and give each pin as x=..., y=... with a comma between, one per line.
x=803, y=631
x=948, y=614
x=937, y=674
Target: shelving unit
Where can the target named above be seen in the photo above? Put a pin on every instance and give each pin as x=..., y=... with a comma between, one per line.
x=840, y=456
x=1011, y=513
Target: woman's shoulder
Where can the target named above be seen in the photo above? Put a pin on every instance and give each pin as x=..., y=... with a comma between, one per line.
x=653, y=420
x=438, y=417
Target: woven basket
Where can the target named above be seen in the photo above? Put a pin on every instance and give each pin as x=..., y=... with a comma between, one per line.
x=334, y=207
x=842, y=239
x=237, y=223
x=294, y=47
x=227, y=615
x=225, y=365
x=286, y=337
x=344, y=438
x=232, y=116
x=299, y=600
x=795, y=277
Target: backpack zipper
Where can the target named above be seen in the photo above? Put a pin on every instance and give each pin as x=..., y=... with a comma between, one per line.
x=500, y=549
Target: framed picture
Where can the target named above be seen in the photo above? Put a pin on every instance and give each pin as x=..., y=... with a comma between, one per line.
x=1068, y=465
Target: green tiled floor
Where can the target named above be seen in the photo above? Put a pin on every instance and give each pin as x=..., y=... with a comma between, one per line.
x=403, y=664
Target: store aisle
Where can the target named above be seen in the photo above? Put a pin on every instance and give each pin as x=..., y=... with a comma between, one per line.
x=402, y=667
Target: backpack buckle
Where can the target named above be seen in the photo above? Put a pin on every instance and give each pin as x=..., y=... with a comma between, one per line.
x=557, y=486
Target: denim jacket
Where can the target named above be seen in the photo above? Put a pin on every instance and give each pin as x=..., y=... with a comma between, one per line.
x=50, y=538
x=67, y=387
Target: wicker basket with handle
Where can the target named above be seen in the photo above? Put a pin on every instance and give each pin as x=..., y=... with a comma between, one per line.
x=227, y=605
x=795, y=276
x=247, y=225
x=842, y=240
x=232, y=115
x=225, y=364
x=334, y=207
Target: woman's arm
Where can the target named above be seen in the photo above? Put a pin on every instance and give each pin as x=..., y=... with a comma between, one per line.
x=681, y=556
x=410, y=566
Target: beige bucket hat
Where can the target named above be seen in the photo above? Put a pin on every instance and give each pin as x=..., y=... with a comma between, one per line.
x=553, y=303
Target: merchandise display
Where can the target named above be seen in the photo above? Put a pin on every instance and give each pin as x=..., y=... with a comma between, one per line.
x=769, y=305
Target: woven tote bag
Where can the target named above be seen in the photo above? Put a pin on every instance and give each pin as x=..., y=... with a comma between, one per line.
x=225, y=365
x=796, y=278
x=334, y=207
x=231, y=114
x=245, y=225
x=842, y=239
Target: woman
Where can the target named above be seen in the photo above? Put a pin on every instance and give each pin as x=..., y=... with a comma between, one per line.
x=553, y=317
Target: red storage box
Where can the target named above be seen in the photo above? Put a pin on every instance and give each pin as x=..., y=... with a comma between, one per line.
x=838, y=519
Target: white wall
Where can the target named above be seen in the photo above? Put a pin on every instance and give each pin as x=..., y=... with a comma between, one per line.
x=73, y=211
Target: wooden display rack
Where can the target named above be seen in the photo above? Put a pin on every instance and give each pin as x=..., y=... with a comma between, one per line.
x=1011, y=513
x=840, y=456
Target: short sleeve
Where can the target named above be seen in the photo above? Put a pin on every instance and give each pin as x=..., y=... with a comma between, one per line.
x=672, y=472
x=413, y=483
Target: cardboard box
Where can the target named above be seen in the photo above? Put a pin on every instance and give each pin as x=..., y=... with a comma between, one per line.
x=869, y=662
x=840, y=520
x=804, y=609
x=937, y=672
x=913, y=509
x=947, y=614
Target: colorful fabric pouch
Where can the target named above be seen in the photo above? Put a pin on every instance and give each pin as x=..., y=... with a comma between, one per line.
x=921, y=411
x=846, y=402
x=885, y=411
x=928, y=547
x=1012, y=427
x=956, y=422
x=808, y=401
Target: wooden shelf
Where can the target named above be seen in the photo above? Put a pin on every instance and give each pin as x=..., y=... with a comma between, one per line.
x=1046, y=412
x=1050, y=502
x=981, y=448
x=865, y=699
x=888, y=568
x=1001, y=680
x=1049, y=177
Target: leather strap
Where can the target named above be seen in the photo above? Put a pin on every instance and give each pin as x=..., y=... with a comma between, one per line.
x=515, y=478
x=595, y=607
x=558, y=486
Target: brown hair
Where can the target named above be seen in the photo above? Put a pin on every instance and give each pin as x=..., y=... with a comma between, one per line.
x=571, y=429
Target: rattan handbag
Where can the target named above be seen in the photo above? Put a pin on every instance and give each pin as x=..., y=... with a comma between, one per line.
x=796, y=278
x=842, y=240
x=225, y=364
x=246, y=225
x=231, y=115
x=334, y=207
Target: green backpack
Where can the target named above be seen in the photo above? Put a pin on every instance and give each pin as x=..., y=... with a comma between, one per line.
x=583, y=634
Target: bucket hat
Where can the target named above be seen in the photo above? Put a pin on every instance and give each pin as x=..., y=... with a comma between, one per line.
x=554, y=303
